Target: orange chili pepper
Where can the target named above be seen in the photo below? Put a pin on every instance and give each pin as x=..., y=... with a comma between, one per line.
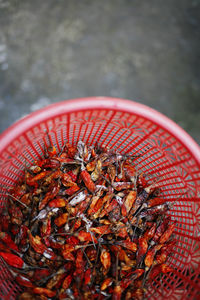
x=66, y=178
x=51, y=151
x=108, y=208
x=88, y=181
x=36, y=243
x=149, y=233
x=149, y=259
x=61, y=220
x=91, y=166
x=58, y=202
x=105, y=229
x=128, y=245
x=86, y=237
x=106, y=283
x=105, y=259
x=67, y=281
x=39, y=247
x=98, y=206
x=129, y=200
x=72, y=190
x=88, y=276
x=93, y=203
x=67, y=252
x=155, y=201
x=77, y=224
x=44, y=291
x=54, y=189
x=119, y=186
x=52, y=163
x=117, y=292
x=26, y=199
x=33, y=180
x=97, y=171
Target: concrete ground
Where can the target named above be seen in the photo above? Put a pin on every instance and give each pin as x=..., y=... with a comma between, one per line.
x=142, y=50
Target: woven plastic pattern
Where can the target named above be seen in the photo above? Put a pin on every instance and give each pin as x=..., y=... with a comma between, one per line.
x=168, y=155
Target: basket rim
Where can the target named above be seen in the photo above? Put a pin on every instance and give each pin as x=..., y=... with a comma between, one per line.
x=117, y=104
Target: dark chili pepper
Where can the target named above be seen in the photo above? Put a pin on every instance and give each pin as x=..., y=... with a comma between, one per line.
x=158, y=210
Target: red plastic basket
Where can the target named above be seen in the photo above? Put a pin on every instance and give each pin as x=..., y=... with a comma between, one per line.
x=169, y=154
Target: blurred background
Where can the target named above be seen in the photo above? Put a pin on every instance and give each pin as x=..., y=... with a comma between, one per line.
x=147, y=51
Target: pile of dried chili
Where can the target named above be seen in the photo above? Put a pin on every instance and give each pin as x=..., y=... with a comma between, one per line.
x=84, y=224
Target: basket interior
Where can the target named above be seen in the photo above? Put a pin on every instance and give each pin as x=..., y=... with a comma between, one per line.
x=163, y=157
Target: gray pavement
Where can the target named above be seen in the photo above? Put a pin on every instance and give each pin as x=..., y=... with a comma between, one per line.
x=147, y=51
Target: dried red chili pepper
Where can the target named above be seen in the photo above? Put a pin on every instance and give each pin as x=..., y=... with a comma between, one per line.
x=6, y=238
x=105, y=260
x=67, y=281
x=160, y=229
x=159, y=269
x=117, y=292
x=44, y=291
x=106, y=283
x=52, y=193
x=163, y=254
x=149, y=259
x=24, y=281
x=88, y=276
x=88, y=181
x=167, y=234
x=142, y=248
x=12, y=260
x=61, y=220
x=128, y=245
x=149, y=233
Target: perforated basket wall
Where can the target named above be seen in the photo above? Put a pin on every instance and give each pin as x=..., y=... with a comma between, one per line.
x=168, y=153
